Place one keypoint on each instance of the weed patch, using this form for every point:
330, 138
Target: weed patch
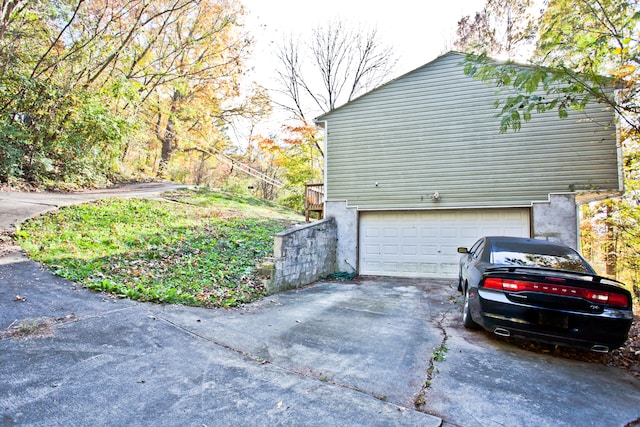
34, 328
201, 251
439, 355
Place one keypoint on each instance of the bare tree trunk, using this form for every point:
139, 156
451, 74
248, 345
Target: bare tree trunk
168, 141
6, 8
168, 136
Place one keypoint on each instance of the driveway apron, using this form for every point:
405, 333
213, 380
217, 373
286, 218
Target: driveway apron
329, 354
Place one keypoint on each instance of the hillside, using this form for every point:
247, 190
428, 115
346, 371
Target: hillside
194, 247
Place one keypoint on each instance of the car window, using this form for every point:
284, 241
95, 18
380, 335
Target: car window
475, 246
478, 251
560, 260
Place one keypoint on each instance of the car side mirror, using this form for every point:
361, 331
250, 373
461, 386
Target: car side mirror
462, 250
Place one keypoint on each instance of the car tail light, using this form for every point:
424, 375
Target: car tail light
601, 297
618, 300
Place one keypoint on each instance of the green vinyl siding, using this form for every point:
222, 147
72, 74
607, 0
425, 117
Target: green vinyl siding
435, 129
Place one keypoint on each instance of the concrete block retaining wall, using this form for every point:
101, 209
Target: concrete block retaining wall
302, 255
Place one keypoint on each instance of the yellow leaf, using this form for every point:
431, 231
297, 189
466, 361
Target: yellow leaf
625, 70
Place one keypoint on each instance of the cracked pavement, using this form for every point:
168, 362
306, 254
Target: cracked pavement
335, 353
330, 354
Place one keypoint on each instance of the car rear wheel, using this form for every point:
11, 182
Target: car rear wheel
467, 321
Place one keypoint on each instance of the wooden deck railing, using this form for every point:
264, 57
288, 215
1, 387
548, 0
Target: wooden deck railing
313, 200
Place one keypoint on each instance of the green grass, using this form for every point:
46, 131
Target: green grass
201, 248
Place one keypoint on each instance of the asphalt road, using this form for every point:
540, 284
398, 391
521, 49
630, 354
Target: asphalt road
16, 206
335, 353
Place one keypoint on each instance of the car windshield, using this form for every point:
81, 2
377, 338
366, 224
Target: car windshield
558, 259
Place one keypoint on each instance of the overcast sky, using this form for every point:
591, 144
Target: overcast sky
420, 30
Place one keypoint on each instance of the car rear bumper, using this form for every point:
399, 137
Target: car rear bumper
593, 331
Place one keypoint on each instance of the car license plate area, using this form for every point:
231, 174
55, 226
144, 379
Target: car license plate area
553, 320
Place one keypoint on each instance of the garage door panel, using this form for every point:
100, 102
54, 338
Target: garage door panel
449, 270
428, 270
424, 243
371, 232
390, 250
427, 232
493, 231
391, 266
468, 232
371, 249
428, 250
410, 250
390, 232
512, 231
449, 232
449, 248
410, 232
410, 267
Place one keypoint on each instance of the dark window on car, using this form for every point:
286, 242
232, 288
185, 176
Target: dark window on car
477, 253
547, 257
475, 246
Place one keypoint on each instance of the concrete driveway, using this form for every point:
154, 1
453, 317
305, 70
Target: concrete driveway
335, 353
331, 354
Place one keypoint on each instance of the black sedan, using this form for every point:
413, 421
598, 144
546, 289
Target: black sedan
542, 291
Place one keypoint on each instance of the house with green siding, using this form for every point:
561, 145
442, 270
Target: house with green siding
418, 167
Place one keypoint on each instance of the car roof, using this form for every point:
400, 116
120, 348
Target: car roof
527, 244
523, 240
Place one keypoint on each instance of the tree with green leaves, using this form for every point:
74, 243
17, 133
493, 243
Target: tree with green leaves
52, 125
84, 82
587, 51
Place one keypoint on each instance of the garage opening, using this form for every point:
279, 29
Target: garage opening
424, 243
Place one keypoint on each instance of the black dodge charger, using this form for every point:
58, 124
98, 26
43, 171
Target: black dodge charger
542, 291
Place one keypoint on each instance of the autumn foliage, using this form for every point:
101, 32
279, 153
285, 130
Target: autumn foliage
298, 157
93, 90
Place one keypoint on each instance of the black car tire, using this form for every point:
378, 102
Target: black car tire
467, 321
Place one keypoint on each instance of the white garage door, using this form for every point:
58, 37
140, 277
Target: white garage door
424, 243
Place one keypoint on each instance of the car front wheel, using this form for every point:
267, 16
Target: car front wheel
467, 321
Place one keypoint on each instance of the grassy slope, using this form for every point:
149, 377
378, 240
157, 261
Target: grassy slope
197, 248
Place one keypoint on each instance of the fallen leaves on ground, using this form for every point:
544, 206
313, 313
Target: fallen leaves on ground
626, 357
34, 328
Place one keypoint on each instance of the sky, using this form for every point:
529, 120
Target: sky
419, 30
